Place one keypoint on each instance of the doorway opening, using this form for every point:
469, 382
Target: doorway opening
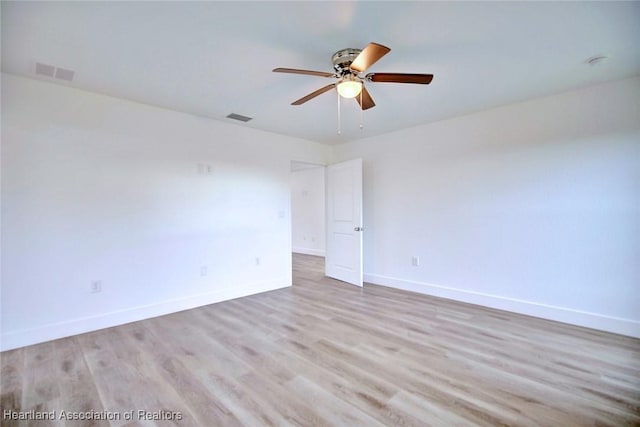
326, 216
308, 209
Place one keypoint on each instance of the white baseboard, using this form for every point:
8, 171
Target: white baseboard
25, 337
308, 251
601, 322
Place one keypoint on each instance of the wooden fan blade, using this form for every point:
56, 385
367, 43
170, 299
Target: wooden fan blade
308, 72
314, 94
367, 101
369, 56
424, 79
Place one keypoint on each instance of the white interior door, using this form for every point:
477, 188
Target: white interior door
343, 259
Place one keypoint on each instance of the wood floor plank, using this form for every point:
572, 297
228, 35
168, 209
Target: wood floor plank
323, 353
78, 392
337, 411
123, 386
203, 407
12, 377
41, 390
12, 373
39, 385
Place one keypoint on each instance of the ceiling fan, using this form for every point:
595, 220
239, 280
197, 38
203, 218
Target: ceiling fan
350, 65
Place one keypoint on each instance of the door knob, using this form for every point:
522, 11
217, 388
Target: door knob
358, 229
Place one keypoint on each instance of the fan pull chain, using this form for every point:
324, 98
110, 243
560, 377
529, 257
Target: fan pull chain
339, 124
361, 111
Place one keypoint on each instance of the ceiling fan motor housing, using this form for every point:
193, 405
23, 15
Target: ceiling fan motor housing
342, 59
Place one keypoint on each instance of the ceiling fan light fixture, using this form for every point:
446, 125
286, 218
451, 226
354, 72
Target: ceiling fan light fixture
349, 88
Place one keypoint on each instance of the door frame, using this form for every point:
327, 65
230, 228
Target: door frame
307, 164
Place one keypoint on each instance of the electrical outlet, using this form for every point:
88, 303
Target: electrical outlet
415, 261
203, 271
96, 286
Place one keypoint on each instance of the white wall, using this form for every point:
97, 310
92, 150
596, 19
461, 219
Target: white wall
308, 211
532, 207
98, 188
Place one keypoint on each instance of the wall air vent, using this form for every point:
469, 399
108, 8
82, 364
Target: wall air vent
235, 116
51, 71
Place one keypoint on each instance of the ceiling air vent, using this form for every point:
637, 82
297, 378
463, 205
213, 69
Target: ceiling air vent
63, 74
242, 118
45, 70
51, 71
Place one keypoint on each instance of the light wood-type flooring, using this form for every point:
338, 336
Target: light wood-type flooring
326, 353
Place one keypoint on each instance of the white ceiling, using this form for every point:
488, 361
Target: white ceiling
215, 58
